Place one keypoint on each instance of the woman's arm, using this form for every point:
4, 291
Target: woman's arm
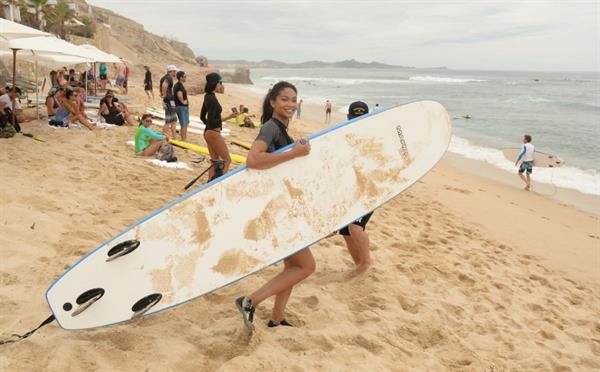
50, 106
259, 158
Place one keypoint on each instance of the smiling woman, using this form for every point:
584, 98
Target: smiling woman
279, 107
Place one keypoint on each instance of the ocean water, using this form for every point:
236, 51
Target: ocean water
561, 110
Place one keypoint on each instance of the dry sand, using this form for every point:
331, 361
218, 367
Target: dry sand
468, 274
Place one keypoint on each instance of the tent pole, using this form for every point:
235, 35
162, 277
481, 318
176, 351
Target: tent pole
14, 88
37, 106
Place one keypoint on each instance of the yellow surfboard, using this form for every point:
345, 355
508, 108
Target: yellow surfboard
243, 144
203, 150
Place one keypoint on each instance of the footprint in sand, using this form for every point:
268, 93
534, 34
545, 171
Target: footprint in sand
456, 189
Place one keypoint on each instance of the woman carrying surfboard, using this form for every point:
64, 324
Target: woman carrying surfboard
211, 116
279, 107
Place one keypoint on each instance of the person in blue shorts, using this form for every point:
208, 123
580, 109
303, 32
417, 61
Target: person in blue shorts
182, 104
526, 158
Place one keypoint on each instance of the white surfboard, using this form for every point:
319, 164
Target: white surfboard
540, 159
194, 124
250, 219
191, 129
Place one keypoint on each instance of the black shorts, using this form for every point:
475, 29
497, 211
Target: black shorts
103, 77
170, 113
362, 222
328, 111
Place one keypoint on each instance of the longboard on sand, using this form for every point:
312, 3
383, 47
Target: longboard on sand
203, 150
161, 123
194, 124
250, 219
540, 159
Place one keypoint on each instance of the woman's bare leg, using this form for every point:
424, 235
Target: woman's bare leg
208, 137
152, 148
297, 268
222, 151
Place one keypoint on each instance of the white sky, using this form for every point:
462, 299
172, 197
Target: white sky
487, 35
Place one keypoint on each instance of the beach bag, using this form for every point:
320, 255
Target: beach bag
7, 131
166, 152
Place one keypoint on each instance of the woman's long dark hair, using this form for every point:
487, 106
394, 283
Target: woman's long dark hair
267, 113
210, 86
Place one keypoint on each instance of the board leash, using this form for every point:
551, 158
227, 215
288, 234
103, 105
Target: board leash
218, 164
16, 337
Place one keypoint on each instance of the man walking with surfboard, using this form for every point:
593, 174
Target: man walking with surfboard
526, 158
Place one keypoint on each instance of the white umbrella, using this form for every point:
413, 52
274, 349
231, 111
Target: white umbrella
48, 46
12, 30
99, 56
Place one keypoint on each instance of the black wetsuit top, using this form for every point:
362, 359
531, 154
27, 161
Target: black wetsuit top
211, 112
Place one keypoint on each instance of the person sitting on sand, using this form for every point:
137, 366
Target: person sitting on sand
244, 119
148, 141
52, 104
8, 97
526, 158
114, 112
279, 107
7, 130
68, 112
355, 236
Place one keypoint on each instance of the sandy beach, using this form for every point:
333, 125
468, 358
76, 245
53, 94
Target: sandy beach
469, 273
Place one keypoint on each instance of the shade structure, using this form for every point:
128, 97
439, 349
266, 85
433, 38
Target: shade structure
12, 30
100, 56
41, 47
47, 58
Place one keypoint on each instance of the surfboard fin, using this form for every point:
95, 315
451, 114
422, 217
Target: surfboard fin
143, 305
122, 249
87, 299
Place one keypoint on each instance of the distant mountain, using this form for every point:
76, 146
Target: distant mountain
350, 63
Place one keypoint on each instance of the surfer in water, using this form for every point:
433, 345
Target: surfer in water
355, 236
526, 159
279, 107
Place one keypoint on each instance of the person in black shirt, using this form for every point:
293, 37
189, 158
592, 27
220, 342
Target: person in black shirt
166, 93
355, 235
181, 104
148, 83
279, 107
211, 117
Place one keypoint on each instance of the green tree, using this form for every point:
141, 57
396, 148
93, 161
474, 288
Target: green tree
39, 6
57, 16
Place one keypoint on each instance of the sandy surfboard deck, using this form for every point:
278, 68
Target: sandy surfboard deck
250, 219
540, 159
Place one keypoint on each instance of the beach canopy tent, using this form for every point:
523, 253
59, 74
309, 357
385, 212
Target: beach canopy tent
12, 30
98, 55
37, 45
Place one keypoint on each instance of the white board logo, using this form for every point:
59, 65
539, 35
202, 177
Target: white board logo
404, 149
